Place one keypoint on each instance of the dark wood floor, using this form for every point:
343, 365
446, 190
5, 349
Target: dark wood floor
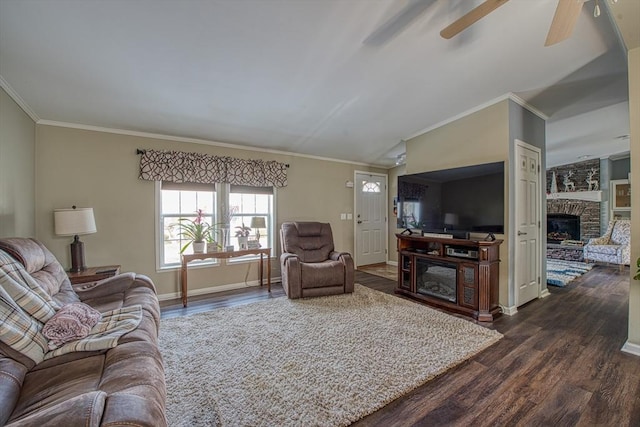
559, 363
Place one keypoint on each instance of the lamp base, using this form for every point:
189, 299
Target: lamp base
77, 255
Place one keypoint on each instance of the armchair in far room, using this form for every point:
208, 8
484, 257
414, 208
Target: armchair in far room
310, 265
613, 247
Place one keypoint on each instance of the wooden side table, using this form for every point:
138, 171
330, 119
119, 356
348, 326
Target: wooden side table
93, 274
263, 252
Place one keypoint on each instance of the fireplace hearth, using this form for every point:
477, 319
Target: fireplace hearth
562, 227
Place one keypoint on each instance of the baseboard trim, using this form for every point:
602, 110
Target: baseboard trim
394, 263
509, 311
545, 293
631, 348
216, 289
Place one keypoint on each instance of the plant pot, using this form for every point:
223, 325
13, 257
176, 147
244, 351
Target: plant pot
198, 247
242, 242
212, 247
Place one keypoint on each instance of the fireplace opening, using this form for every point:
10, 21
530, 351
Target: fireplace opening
436, 278
562, 227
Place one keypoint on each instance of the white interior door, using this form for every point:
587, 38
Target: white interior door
370, 218
527, 214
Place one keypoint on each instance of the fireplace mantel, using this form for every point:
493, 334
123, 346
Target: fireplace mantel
589, 196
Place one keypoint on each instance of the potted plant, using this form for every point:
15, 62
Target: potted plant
196, 231
637, 276
242, 233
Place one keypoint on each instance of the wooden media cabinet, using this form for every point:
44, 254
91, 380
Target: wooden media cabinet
457, 275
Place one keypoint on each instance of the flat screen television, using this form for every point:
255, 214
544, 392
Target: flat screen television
456, 201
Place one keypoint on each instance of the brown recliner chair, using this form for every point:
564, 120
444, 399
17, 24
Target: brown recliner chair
310, 266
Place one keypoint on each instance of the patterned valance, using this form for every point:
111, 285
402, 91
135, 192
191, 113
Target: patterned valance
179, 166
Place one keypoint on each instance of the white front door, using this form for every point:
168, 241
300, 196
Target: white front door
370, 218
527, 213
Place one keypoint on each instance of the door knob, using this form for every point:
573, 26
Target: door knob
520, 233
359, 222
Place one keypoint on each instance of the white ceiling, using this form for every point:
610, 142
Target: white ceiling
317, 77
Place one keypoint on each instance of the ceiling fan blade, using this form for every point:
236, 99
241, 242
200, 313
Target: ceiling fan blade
564, 21
471, 18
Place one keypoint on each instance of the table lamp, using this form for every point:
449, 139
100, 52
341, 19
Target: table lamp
450, 219
257, 223
74, 222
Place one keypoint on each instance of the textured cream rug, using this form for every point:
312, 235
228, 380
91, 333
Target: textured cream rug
325, 361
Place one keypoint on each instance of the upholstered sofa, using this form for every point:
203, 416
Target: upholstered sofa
117, 386
613, 247
309, 264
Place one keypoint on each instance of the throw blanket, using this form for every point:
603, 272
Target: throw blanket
25, 307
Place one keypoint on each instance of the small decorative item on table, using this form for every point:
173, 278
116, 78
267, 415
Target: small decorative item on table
242, 233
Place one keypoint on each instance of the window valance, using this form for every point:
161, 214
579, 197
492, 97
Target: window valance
180, 166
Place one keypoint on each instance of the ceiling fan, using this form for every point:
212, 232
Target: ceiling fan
564, 19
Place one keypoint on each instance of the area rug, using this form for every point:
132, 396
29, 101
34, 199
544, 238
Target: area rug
560, 273
325, 361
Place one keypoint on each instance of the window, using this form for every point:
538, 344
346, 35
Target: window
371, 186
251, 206
181, 201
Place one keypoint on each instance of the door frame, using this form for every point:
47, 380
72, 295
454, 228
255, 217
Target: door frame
355, 210
513, 229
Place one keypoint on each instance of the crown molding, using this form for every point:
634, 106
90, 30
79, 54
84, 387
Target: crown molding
524, 104
512, 96
18, 99
194, 141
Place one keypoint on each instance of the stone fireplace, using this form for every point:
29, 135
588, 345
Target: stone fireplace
573, 214
588, 213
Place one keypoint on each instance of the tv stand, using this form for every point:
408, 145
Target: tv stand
457, 275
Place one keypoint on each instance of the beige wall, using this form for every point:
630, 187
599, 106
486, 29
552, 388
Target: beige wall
393, 192
481, 137
17, 170
634, 122
100, 170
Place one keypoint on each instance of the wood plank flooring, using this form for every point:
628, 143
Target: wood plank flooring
558, 364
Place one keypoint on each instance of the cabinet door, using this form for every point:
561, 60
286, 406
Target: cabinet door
620, 195
404, 281
468, 285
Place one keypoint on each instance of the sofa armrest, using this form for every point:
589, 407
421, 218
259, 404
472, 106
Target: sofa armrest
349, 268
287, 256
290, 272
11, 378
598, 241
83, 410
336, 256
112, 285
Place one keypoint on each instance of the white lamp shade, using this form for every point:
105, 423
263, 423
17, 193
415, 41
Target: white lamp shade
71, 222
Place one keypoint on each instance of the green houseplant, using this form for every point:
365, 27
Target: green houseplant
196, 231
637, 276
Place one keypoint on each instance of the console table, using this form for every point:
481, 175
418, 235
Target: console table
457, 275
223, 255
